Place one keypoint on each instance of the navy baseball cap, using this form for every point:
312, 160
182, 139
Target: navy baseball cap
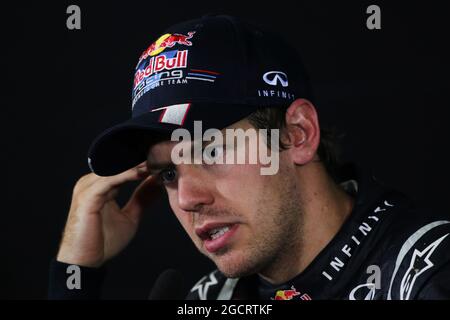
217, 69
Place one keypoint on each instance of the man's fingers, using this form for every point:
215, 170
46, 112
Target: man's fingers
132, 174
102, 185
112, 194
142, 196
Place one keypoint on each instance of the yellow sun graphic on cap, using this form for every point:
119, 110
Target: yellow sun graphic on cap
157, 45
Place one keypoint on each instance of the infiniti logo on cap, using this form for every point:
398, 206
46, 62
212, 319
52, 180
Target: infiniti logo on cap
273, 77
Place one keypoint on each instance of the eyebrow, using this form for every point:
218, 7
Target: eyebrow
155, 167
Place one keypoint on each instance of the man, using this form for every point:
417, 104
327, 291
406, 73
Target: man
304, 231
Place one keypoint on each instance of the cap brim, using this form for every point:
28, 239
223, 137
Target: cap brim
124, 146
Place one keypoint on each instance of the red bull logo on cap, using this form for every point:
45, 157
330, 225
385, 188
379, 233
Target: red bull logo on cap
166, 61
167, 40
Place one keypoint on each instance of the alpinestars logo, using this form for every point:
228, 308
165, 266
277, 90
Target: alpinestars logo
202, 287
420, 262
365, 290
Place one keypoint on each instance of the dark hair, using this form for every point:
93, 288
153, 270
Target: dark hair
275, 118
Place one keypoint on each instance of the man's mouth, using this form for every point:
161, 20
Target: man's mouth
216, 235
218, 232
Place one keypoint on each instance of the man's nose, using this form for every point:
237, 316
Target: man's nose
194, 191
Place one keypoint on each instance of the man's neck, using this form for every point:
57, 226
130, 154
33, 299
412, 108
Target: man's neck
326, 206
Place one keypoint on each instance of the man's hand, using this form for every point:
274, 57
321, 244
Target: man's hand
97, 229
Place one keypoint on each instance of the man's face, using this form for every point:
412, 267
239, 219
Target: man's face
244, 221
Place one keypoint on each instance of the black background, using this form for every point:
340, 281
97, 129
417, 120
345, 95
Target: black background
386, 89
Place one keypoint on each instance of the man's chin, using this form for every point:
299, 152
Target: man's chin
234, 264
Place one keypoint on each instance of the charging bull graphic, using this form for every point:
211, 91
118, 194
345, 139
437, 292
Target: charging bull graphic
286, 294
167, 40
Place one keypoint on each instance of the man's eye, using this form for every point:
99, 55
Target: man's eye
168, 175
213, 152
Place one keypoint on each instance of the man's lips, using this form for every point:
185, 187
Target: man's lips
216, 235
204, 231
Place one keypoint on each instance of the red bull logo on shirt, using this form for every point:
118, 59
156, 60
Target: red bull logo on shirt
290, 294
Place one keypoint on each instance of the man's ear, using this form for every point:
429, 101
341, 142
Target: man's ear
302, 131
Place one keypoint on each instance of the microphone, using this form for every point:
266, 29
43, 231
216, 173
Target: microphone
168, 286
